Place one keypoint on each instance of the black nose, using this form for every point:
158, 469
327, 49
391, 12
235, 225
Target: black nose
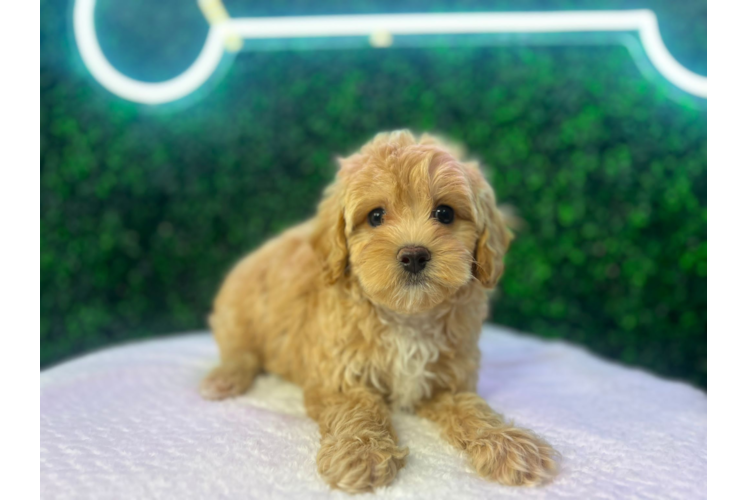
413, 259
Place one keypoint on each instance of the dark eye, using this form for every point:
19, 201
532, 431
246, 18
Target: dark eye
376, 217
444, 214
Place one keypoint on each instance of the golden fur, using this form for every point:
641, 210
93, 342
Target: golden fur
327, 306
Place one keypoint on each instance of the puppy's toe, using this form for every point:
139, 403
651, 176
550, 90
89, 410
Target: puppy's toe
357, 465
514, 457
226, 381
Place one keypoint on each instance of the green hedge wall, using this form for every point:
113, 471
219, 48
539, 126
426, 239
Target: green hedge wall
143, 211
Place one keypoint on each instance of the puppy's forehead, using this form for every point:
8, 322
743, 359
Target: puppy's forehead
411, 174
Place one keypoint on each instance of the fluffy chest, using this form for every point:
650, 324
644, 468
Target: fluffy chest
412, 346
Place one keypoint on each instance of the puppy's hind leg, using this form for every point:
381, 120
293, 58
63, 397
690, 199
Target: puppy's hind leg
240, 362
232, 377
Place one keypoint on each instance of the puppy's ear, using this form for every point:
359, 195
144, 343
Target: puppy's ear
328, 237
494, 237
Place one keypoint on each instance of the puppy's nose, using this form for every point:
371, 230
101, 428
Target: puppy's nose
413, 259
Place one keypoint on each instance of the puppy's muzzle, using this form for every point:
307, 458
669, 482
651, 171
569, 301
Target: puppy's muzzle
413, 259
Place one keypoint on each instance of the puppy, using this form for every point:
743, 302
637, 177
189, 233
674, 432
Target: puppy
376, 304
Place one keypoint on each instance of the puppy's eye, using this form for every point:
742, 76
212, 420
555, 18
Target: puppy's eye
376, 217
444, 214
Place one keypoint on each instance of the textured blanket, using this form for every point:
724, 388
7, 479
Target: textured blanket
128, 423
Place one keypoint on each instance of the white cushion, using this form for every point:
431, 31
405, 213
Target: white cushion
128, 423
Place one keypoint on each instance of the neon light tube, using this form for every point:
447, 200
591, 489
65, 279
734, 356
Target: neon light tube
226, 33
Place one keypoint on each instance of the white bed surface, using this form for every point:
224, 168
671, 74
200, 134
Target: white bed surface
128, 423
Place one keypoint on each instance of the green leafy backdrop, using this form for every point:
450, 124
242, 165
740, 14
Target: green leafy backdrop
143, 211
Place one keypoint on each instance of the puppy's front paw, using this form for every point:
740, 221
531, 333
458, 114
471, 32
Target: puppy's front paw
356, 465
512, 456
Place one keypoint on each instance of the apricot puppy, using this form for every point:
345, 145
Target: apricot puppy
376, 304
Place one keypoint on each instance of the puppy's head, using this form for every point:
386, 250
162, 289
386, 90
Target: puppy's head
411, 222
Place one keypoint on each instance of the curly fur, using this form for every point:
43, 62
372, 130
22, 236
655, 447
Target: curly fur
327, 306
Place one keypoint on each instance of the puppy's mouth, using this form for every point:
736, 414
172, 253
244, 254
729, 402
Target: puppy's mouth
415, 280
